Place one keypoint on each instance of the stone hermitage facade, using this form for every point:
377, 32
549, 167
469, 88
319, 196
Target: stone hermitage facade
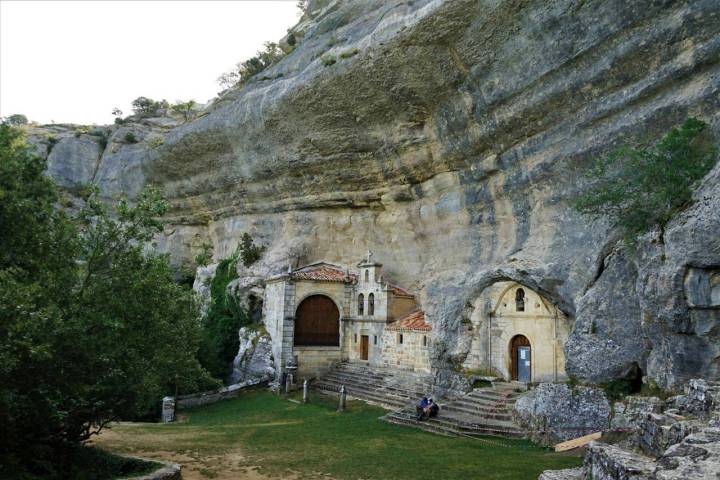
321, 314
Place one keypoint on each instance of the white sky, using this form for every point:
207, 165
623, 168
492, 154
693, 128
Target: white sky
73, 61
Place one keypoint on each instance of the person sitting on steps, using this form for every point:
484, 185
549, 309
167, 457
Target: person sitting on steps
420, 409
433, 409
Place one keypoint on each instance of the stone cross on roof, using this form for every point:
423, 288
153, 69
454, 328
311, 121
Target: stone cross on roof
369, 256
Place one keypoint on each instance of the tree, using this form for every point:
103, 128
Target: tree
147, 107
16, 119
270, 54
185, 109
93, 327
639, 188
249, 252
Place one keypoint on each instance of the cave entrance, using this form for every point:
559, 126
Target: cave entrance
521, 355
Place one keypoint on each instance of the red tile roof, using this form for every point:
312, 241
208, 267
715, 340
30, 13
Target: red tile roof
401, 292
324, 273
412, 321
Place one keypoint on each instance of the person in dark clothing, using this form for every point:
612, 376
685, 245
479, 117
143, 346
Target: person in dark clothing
420, 408
433, 409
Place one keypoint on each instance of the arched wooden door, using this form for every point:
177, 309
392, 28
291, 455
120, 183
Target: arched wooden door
317, 322
521, 359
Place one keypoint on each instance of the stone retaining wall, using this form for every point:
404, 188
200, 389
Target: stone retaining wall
212, 396
168, 471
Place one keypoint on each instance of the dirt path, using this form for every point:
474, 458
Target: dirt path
231, 465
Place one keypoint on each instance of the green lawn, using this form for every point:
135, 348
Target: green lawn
280, 436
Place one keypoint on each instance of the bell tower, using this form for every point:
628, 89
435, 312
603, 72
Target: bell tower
370, 272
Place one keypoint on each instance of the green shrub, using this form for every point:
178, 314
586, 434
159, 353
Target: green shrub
16, 120
349, 53
244, 71
639, 188
186, 109
618, 389
249, 252
205, 255
328, 60
155, 142
147, 107
81, 131
130, 138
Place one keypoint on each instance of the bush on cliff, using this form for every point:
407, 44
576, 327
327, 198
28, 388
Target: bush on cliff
226, 315
639, 188
270, 54
93, 327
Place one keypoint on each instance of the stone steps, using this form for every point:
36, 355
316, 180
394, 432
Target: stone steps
501, 415
376, 385
346, 379
386, 399
453, 426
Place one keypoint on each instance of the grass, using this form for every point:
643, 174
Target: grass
311, 440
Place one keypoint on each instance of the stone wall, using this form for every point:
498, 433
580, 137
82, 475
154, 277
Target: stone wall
413, 353
212, 396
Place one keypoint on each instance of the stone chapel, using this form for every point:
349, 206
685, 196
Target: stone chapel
322, 313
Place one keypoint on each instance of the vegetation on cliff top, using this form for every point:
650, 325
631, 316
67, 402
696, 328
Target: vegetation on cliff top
93, 327
639, 188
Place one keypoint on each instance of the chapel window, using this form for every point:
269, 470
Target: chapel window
371, 304
367, 276
361, 304
520, 300
400, 339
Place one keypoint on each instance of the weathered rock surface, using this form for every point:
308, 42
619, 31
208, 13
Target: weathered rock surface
467, 125
566, 474
608, 462
555, 412
254, 360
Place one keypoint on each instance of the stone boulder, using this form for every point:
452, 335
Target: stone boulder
555, 412
254, 360
566, 474
702, 397
696, 457
658, 432
609, 462
632, 411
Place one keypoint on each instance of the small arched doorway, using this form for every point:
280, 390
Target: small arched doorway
520, 359
317, 322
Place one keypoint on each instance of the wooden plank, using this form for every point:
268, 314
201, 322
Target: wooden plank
577, 442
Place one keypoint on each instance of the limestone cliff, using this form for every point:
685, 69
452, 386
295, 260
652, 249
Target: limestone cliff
448, 137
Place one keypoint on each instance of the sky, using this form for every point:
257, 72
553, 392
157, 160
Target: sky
74, 61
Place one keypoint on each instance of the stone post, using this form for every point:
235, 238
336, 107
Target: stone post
305, 391
341, 405
288, 382
168, 409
